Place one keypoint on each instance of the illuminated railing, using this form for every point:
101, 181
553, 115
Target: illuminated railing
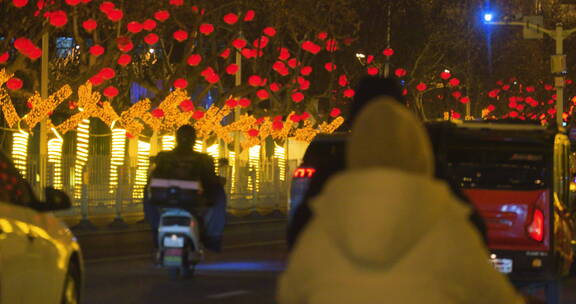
168, 142
214, 151
118, 156
55, 159
142, 169
199, 146
280, 155
254, 163
232, 161
82, 144
20, 151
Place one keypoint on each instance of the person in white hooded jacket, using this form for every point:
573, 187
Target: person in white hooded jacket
386, 231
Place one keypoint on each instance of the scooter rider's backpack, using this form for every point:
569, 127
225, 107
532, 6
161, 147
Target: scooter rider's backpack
176, 181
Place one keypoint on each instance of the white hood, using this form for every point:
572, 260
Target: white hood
375, 216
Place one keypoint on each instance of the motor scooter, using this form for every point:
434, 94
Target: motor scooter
179, 245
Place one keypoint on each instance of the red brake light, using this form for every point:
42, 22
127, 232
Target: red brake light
536, 227
304, 172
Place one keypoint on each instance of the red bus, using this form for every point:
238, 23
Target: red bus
518, 177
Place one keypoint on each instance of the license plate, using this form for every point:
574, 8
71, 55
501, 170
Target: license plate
502, 265
174, 242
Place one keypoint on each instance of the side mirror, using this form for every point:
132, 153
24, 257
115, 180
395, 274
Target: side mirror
56, 200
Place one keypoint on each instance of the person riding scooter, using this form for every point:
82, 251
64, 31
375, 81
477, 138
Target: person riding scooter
183, 164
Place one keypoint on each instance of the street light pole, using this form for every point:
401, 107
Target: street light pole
558, 65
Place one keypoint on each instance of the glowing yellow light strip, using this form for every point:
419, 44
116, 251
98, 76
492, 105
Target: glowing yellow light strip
280, 155
214, 151
142, 170
55, 159
199, 146
82, 144
232, 161
20, 151
168, 142
118, 155
254, 163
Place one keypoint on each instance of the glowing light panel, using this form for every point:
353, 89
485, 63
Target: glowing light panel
117, 157
82, 144
55, 160
142, 169
20, 151
168, 142
280, 155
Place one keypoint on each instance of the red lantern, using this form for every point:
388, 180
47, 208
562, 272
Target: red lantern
72, 2
225, 54
180, 35
349, 93
107, 73
239, 43
194, 60
456, 115
255, 80
134, 27
454, 82
187, 105
269, 31
261, 43
421, 87
115, 15
198, 115
151, 39
297, 97
330, 66
253, 132
530, 89
493, 94
343, 80
124, 44
295, 118
14, 83
206, 29
388, 52
244, 102
293, 63
106, 7
400, 72
58, 18
232, 69
111, 92
274, 87
445, 75
311, 47
513, 114
277, 125
506, 87
230, 18
372, 71
96, 80
96, 50
305, 115
304, 84
456, 94
465, 100
262, 94
4, 57
89, 25
20, 3
322, 35
331, 45
284, 54
491, 108
180, 83
158, 113
249, 16
124, 59
306, 70
335, 112
177, 2
162, 15
548, 87
149, 25
231, 103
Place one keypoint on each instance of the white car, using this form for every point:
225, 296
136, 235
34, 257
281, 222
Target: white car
40, 260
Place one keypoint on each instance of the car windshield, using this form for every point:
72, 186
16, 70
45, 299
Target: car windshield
498, 169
